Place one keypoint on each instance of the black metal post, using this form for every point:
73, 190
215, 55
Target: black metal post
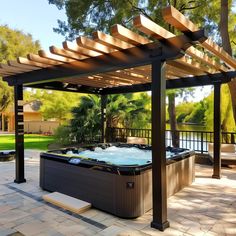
19, 134
217, 132
158, 146
103, 116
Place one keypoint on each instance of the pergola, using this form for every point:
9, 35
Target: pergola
126, 61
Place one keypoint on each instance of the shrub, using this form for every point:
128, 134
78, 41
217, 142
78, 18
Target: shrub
63, 135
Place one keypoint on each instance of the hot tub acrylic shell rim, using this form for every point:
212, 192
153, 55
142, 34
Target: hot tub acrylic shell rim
124, 195
123, 169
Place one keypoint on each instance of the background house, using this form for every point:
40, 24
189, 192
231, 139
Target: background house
33, 120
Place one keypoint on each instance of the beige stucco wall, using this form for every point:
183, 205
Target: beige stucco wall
32, 116
40, 126
28, 116
33, 121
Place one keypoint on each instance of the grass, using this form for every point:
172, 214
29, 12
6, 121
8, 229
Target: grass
32, 141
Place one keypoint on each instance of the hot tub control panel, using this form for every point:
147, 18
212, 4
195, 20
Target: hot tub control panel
74, 161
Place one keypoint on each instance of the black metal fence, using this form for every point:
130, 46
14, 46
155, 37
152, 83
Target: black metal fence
194, 140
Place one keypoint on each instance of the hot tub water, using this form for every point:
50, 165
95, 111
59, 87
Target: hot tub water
119, 156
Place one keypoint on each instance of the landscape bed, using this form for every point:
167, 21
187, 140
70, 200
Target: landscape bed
121, 186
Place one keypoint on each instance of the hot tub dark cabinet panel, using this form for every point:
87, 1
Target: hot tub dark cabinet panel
124, 192
120, 195
180, 174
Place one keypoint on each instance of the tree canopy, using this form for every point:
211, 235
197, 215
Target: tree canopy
55, 104
85, 17
13, 43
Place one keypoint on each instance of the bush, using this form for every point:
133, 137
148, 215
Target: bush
63, 135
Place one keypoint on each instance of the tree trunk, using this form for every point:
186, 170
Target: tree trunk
225, 137
224, 32
173, 124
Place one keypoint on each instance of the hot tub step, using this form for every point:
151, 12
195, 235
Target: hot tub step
69, 203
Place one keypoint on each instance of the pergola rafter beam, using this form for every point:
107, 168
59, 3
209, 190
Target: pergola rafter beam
26, 61
93, 45
66, 53
127, 58
111, 41
74, 47
128, 36
186, 82
21, 66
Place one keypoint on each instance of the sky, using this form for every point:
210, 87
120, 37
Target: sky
36, 17
39, 18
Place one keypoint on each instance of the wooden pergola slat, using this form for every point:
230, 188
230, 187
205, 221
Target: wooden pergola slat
192, 51
154, 30
26, 61
74, 47
17, 64
179, 21
13, 68
93, 45
66, 53
85, 81
181, 65
55, 57
122, 74
6, 73
46, 61
118, 79
111, 41
108, 80
194, 65
99, 81
127, 35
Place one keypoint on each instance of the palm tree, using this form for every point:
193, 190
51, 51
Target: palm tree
122, 110
86, 118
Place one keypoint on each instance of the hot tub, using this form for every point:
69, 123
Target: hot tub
7, 155
116, 178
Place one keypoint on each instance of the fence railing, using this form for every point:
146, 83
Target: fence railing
194, 140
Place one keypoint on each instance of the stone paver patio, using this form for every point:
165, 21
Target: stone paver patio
208, 207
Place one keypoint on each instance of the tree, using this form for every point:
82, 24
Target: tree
226, 110
128, 110
121, 110
85, 17
56, 104
86, 118
225, 37
13, 43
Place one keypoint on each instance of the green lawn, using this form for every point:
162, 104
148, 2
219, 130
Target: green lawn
32, 141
